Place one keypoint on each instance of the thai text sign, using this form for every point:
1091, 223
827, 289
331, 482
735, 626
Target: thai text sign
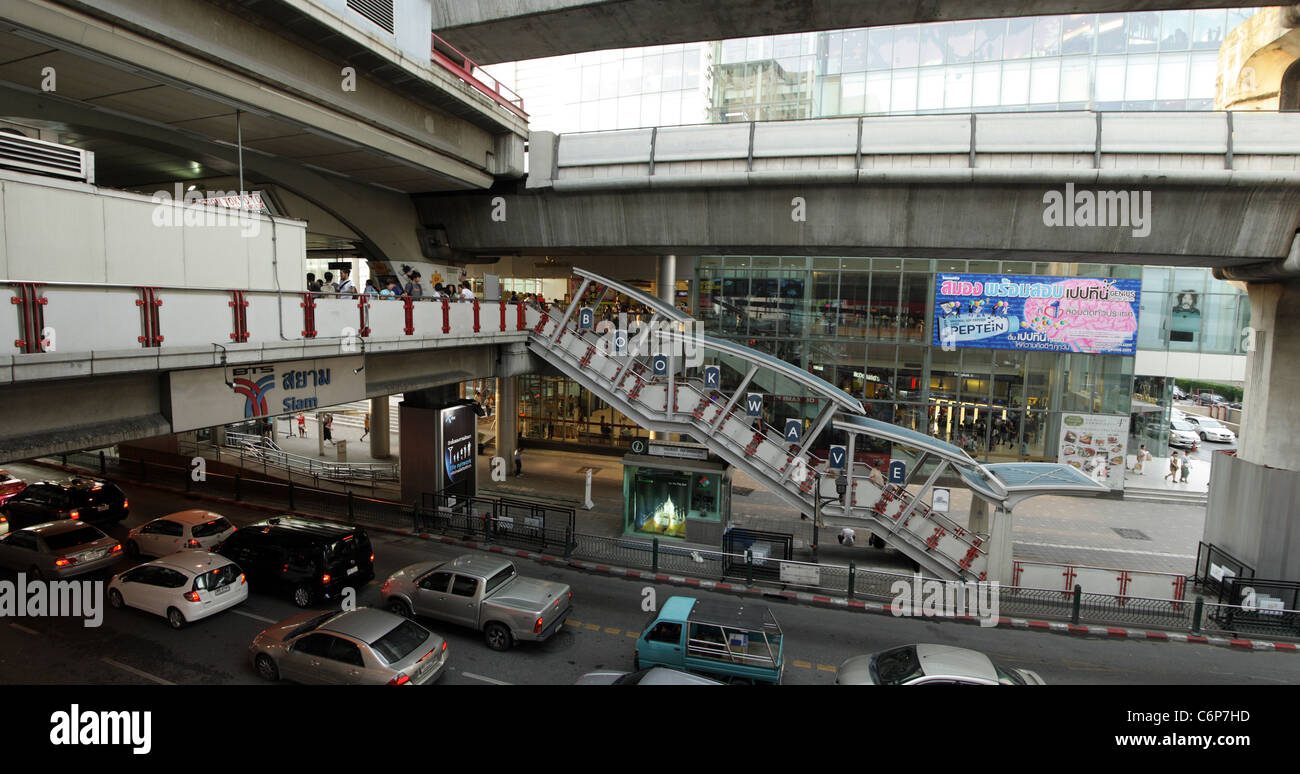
1053, 314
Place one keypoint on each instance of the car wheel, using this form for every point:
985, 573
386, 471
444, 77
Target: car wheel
132, 549
174, 618
398, 606
1202, 437
115, 599
34, 573
266, 668
497, 636
302, 596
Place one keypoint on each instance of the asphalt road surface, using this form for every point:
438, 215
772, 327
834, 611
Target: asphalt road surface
132, 647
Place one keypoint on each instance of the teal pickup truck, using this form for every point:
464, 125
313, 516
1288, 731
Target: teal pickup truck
740, 643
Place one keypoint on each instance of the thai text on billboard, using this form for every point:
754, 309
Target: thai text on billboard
1051, 314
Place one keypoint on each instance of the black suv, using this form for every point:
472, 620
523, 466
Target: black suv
94, 502
309, 560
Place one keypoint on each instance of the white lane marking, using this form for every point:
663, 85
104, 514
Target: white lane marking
137, 672
255, 617
22, 628
1111, 550
473, 676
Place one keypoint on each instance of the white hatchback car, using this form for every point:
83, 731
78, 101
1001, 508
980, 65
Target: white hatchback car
184, 530
183, 587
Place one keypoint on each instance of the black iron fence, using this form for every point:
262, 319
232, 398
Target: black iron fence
1213, 565
1273, 609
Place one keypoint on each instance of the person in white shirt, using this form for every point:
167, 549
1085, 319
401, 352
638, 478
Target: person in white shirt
345, 283
846, 537
465, 293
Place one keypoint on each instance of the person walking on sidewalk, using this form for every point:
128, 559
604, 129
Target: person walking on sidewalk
1173, 467
1186, 469
367, 432
302, 425
519, 462
329, 429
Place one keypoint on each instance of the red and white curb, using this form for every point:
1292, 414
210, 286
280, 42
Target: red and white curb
821, 600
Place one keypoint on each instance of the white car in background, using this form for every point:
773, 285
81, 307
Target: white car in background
1211, 429
931, 665
184, 587
1183, 434
185, 530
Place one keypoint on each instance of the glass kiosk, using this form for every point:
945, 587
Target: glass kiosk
674, 490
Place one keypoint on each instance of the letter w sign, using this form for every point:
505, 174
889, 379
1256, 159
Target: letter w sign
754, 404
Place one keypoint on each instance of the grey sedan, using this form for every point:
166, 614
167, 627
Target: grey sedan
931, 665
651, 676
59, 549
365, 646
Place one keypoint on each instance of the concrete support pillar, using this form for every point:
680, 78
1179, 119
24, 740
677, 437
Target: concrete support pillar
507, 420
1251, 510
1270, 412
418, 439
667, 287
995, 522
380, 444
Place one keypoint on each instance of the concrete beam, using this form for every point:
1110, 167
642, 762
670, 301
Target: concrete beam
1189, 224
491, 31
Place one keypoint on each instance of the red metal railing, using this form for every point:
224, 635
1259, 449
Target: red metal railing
446, 55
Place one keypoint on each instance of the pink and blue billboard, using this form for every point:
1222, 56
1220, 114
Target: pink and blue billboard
1047, 314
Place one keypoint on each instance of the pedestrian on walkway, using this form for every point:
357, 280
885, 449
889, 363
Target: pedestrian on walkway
1186, 469
519, 462
367, 432
1173, 467
329, 429
1142, 456
328, 286
846, 537
302, 425
345, 283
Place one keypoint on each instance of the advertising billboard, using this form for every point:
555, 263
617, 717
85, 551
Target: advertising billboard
1096, 444
207, 397
457, 436
1047, 314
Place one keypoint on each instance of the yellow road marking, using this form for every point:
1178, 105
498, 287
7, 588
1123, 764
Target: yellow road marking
803, 664
593, 627
609, 630
825, 668
633, 635
574, 624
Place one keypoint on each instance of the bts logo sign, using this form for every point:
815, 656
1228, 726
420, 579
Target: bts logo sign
897, 472
713, 377
837, 458
586, 318
754, 404
793, 429
660, 365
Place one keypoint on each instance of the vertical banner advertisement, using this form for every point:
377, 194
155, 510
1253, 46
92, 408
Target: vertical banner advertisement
457, 436
1095, 444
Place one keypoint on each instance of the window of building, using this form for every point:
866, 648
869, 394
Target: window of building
933, 37
1175, 30
907, 46
1047, 36
1077, 34
880, 48
1019, 40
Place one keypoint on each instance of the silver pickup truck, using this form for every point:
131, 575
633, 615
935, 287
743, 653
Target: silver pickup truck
483, 592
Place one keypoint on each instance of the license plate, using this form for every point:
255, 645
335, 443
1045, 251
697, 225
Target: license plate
218, 591
353, 570
102, 507
93, 555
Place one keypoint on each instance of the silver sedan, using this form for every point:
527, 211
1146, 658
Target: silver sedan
365, 646
59, 549
931, 665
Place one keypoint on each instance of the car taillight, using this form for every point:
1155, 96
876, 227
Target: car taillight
191, 543
537, 627
64, 562
115, 548
372, 558
399, 680
444, 646
241, 578
74, 514
125, 502
325, 578
192, 596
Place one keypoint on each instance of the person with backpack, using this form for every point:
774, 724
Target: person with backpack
413, 288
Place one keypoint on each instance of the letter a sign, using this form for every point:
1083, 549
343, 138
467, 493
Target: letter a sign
754, 404
793, 429
837, 457
712, 377
586, 318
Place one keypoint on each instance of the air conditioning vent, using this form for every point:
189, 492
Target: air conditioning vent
45, 158
378, 11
